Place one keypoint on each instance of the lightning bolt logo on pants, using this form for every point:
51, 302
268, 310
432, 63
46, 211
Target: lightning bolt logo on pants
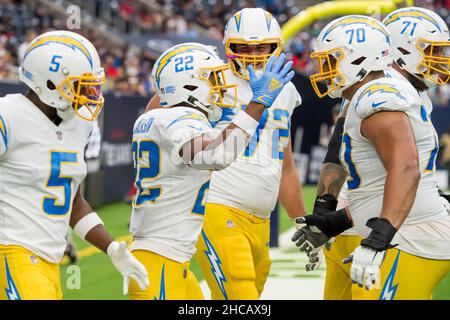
215, 265
388, 292
11, 291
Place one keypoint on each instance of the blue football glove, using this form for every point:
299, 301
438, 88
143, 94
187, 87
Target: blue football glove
269, 85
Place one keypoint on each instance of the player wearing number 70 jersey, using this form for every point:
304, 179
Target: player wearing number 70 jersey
42, 140
175, 150
389, 147
407, 26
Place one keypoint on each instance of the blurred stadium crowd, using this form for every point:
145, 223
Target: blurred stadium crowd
128, 67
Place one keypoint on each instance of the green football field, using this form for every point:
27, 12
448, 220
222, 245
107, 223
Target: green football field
99, 279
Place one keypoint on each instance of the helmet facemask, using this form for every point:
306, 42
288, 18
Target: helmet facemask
434, 65
328, 64
85, 93
240, 61
216, 80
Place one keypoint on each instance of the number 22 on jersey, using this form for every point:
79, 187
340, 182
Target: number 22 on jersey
147, 166
146, 157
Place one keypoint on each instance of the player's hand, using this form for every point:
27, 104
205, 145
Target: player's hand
366, 263
315, 260
269, 85
330, 223
368, 257
308, 238
127, 265
324, 204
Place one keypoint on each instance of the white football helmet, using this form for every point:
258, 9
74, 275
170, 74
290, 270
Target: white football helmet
251, 26
420, 43
63, 68
192, 74
347, 50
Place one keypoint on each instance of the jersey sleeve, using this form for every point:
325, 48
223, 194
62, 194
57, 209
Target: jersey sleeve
5, 133
295, 98
182, 127
382, 97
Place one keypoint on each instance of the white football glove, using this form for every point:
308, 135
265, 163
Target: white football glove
366, 263
127, 265
315, 259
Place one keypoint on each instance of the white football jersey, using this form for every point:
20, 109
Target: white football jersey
367, 174
41, 168
252, 182
168, 211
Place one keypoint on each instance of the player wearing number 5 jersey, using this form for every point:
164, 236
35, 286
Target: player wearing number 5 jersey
175, 150
233, 249
43, 137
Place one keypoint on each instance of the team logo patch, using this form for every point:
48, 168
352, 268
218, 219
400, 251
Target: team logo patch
274, 85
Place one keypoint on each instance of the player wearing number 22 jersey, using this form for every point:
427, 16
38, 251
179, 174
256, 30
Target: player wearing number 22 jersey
175, 150
43, 137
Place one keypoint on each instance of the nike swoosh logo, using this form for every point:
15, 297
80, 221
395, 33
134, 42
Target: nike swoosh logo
375, 105
196, 128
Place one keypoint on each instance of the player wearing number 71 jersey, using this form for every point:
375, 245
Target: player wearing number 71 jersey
42, 140
175, 150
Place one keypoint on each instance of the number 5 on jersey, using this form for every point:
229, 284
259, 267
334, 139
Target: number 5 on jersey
51, 205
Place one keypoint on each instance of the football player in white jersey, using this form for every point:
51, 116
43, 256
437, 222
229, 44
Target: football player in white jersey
175, 149
43, 136
233, 249
333, 175
389, 148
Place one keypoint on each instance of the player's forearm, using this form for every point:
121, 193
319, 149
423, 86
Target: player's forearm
332, 178
401, 185
80, 209
291, 195
99, 238
254, 110
333, 174
87, 225
205, 153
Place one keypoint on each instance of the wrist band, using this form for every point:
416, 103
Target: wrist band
86, 224
244, 121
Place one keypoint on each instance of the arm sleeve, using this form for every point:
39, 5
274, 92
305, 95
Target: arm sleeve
334, 145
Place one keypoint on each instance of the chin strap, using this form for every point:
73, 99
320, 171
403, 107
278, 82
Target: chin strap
214, 112
66, 114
